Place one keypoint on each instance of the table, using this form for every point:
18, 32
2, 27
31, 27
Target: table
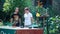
18, 30
30, 31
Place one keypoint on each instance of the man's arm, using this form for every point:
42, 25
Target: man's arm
32, 18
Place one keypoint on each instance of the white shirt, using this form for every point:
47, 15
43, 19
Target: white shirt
27, 18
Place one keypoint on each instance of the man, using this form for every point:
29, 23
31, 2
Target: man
16, 18
28, 17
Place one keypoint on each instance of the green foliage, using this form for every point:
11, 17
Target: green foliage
6, 6
10, 5
54, 24
41, 10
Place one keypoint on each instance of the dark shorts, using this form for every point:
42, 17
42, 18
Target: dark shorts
17, 24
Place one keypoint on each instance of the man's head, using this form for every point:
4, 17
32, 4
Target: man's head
26, 10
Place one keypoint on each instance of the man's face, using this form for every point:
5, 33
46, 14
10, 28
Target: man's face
26, 11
